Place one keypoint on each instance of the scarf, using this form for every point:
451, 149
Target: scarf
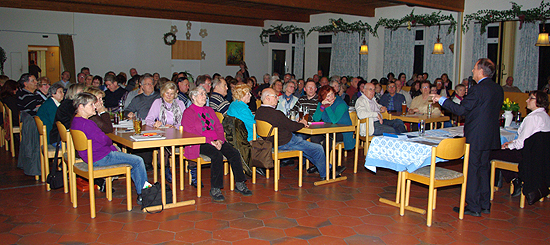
175, 109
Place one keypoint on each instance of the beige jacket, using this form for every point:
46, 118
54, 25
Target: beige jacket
362, 107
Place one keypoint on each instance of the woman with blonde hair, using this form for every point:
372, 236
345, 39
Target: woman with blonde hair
166, 110
101, 117
239, 108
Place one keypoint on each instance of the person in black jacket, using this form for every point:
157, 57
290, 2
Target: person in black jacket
65, 111
481, 109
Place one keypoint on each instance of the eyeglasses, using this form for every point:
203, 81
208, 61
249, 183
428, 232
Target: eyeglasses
531, 98
44, 84
425, 87
391, 86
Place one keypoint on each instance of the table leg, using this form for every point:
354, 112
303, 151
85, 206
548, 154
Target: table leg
162, 176
327, 158
334, 155
173, 166
322, 182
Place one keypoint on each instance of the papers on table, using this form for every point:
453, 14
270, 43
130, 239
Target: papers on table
124, 124
145, 138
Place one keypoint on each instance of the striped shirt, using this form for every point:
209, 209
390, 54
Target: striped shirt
28, 102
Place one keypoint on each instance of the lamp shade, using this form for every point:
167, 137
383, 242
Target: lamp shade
365, 49
438, 48
543, 40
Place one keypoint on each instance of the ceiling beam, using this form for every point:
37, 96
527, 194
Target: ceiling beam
198, 7
451, 5
332, 6
127, 11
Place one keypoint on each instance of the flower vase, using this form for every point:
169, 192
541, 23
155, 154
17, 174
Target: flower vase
508, 117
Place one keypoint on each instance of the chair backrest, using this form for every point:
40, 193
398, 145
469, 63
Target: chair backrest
220, 116
353, 117
40, 125
386, 115
263, 127
8, 119
452, 148
82, 143
63, 133
258, 104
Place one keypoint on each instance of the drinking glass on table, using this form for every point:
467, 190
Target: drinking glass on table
403, 108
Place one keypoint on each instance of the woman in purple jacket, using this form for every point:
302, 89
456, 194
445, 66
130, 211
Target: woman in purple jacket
104, 152
202, 120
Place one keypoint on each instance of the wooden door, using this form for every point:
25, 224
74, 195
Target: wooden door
52, 64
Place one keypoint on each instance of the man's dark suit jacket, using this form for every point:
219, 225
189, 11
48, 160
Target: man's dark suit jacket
481, 108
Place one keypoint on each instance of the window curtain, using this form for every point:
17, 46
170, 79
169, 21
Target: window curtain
298, 61
399, 51
526, 68
480, 44
66, 48
437, 64
344, 57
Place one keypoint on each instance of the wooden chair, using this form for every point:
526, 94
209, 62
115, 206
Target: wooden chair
340, 145
3, 140
47, 151
258, 103
81, 143
436, 177
363, 141
10, 129
64, 134
511, 166
261, 128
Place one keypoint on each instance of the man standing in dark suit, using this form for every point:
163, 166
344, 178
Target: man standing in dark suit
481, 108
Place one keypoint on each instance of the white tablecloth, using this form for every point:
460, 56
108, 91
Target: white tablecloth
414, 152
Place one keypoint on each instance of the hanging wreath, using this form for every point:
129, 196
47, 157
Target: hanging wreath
280, 30
412, 19
169, 38
488, 16
340, 25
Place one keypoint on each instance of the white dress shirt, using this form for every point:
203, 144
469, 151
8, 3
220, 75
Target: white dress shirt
537, 121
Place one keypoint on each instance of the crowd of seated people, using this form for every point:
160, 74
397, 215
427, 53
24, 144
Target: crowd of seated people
160, 101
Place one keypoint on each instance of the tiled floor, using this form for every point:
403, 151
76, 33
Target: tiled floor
344, 212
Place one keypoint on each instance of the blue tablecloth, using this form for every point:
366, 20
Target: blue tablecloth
415, 152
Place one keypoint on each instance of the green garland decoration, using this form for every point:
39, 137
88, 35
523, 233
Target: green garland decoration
488, 16
3, 59
169, 42
340, 25
280, 30
412, 19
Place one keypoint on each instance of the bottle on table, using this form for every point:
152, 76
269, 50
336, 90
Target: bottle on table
421, 128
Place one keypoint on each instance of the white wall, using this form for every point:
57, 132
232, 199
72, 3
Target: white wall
106, 42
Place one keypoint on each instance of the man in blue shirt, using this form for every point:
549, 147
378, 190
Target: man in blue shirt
392, 100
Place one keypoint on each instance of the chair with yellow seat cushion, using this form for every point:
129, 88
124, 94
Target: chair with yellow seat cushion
435, 177
81, 143
261, 129
64, 135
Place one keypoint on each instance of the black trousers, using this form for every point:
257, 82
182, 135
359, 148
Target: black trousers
216, 167
478, 191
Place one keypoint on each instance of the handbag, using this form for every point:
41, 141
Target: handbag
55, 177
261, 152
152, 196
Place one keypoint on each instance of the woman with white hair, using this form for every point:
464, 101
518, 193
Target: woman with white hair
287, 100
202, 120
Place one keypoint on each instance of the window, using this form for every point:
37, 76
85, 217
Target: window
325, 49
418, 66
493, 47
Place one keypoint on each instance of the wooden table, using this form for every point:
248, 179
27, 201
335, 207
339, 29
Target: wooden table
174, 137
415, 118
328, 128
